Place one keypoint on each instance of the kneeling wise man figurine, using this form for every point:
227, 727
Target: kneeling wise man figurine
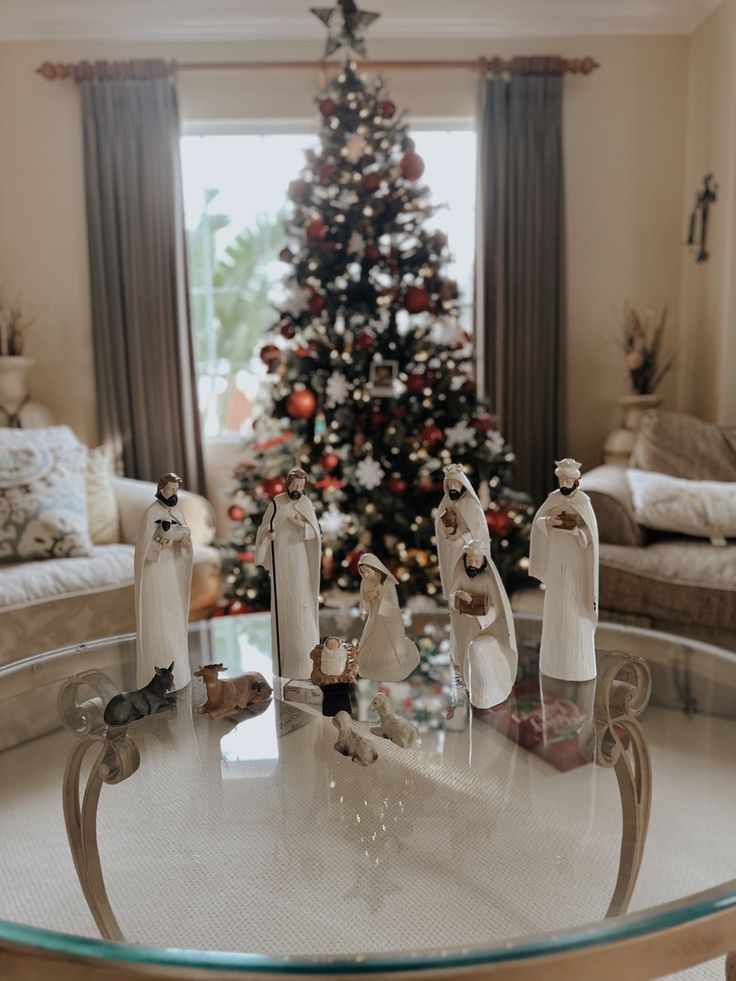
289, 545
482, 639
564, 556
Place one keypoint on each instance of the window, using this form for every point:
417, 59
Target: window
235, 203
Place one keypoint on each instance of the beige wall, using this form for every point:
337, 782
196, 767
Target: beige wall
708, 303
624, 145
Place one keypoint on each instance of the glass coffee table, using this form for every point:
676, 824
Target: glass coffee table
577, 831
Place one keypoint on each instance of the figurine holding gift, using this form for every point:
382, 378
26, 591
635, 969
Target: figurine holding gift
564, 556
482, 642
289, 545
163, 582
460, 520
385, 653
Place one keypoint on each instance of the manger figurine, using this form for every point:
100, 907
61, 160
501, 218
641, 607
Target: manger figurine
163, 584
230, 695
289, 546
334, 670
482, 637
385, 653
130, 706
460, 520
564, 556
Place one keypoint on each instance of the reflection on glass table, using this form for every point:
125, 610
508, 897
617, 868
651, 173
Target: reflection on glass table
504, 830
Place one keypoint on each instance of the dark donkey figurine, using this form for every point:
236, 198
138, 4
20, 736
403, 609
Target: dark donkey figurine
129, 706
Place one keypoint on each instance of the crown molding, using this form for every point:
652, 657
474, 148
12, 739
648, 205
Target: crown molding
287, 20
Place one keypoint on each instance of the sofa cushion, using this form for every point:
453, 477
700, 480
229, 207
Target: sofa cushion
701, 508
679, 581
102, 504
683, 446
610, 495
43, 506
27, 583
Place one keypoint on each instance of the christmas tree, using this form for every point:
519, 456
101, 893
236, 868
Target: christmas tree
373, 389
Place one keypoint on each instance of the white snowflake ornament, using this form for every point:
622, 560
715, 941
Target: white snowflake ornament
333, 523
495, 441
354, 148
369, 473
337, 389
297, 301
461, 434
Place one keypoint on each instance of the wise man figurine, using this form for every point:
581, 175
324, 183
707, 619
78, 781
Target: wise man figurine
163, 584
564, 556
482, 636
460, 520
289, 545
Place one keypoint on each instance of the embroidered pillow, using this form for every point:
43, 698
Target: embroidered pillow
702, 508
43, 507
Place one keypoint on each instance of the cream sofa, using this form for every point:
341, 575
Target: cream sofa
59, 602
655, 579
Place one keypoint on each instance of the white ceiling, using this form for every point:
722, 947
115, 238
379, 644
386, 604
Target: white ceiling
290, 19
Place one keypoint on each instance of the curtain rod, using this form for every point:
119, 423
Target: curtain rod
139, 69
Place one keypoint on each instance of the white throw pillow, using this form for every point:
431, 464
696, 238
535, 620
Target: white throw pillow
703, 508
43, 506
102, 504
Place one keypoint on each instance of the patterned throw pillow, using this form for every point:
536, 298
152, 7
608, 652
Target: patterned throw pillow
701, 508
43, 509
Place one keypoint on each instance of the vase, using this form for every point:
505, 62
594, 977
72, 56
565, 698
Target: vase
619, 444
16, 408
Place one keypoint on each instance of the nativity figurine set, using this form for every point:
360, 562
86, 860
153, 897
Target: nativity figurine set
563, 556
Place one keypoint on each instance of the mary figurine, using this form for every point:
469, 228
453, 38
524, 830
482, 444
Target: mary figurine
385, 653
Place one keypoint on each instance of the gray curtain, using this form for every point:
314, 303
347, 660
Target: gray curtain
521, 270
143, 348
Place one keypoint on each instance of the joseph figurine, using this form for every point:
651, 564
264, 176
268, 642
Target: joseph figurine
288, 544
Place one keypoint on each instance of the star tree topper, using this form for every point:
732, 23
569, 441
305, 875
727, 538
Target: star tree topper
348, 30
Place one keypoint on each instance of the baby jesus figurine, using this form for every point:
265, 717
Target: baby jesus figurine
334, 669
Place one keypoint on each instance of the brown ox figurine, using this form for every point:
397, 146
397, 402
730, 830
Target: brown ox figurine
227, 697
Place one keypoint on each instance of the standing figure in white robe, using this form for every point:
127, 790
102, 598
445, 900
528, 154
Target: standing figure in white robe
289, 545
460, 520
564, 556
163, 585
385, 653
482, 639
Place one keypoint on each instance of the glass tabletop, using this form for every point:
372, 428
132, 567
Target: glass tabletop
571, 815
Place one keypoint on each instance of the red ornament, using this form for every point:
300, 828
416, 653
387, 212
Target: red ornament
287, 329
301, 404
415, 383
431, 435
327, 107
449, 290
499, 523
371, 181
412, 166
235, 512
326, 170
386, 109
439, 240
364, 342
354, 558
272, 486
329, 461
270, 356
398, 486
317, 303
248, 557
468, 387
286, 255
482, 423
416, 299
316, 230
372, 252
398, 411
378, 419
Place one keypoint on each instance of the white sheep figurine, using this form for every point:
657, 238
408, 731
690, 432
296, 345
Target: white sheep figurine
393, 727
351, 743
